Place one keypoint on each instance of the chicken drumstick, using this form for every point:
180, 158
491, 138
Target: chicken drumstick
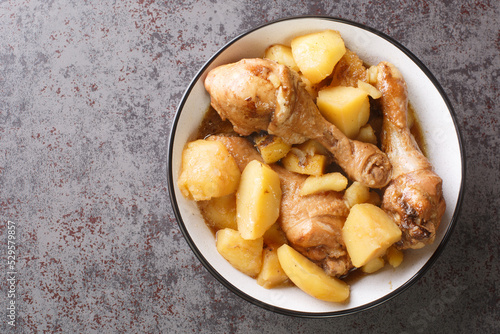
260, 94
414, 196
312, 224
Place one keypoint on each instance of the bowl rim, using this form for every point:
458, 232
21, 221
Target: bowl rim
252, 300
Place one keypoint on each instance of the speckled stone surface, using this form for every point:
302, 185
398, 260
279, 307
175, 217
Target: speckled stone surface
88, 91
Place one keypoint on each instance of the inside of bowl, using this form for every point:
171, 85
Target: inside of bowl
440, 134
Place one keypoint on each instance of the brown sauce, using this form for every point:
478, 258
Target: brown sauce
354, 276
376, 120
212, 124
416, 130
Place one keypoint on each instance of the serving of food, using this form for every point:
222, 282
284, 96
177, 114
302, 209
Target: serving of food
309, 178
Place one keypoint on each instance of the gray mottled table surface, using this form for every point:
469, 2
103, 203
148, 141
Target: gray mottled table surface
88, 91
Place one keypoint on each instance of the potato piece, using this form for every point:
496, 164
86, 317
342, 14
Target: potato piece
298, 162
244, 255
274, 236
356, 193
372, 73
313, 147
208, 170
258, 200
281, 54
220, 212
271, 148
373, 265
316, 54
368, 232
310, 278
326, 182
373, 92
348, 108
271, 275
394, 256
366, 134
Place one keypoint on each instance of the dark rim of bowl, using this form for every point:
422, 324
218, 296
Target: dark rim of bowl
227, 284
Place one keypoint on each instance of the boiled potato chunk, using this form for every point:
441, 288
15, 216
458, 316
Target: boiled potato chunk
366, 134
208, 170
372, 73
271, 274
316, 54
271, 148
326, 182
373, 265
348, 108
281, 54
274, 236
258, 200
310, 278
313, 147
220, 212
299, 162
368, 232
356, 193
394, 256
244, 255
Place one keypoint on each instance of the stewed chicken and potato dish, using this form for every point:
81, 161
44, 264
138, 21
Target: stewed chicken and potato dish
306, 167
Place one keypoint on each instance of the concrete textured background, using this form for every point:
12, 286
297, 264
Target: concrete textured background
88, 91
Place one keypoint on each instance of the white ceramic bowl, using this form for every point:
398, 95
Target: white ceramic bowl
444, 150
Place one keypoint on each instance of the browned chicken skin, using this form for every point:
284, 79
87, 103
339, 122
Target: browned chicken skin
312, 224
414, 196
259, 94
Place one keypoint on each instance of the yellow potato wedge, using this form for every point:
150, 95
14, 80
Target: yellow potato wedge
281, 54
348, 108
316, 54
219, 212
373, 265
244, 255
304, 164
258, 200
310, 278
394, 256
366, 134
208, 170
326, 182
357, 193
313, 147
368, 232
271, 275
372, 73
274, 236
271, 148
